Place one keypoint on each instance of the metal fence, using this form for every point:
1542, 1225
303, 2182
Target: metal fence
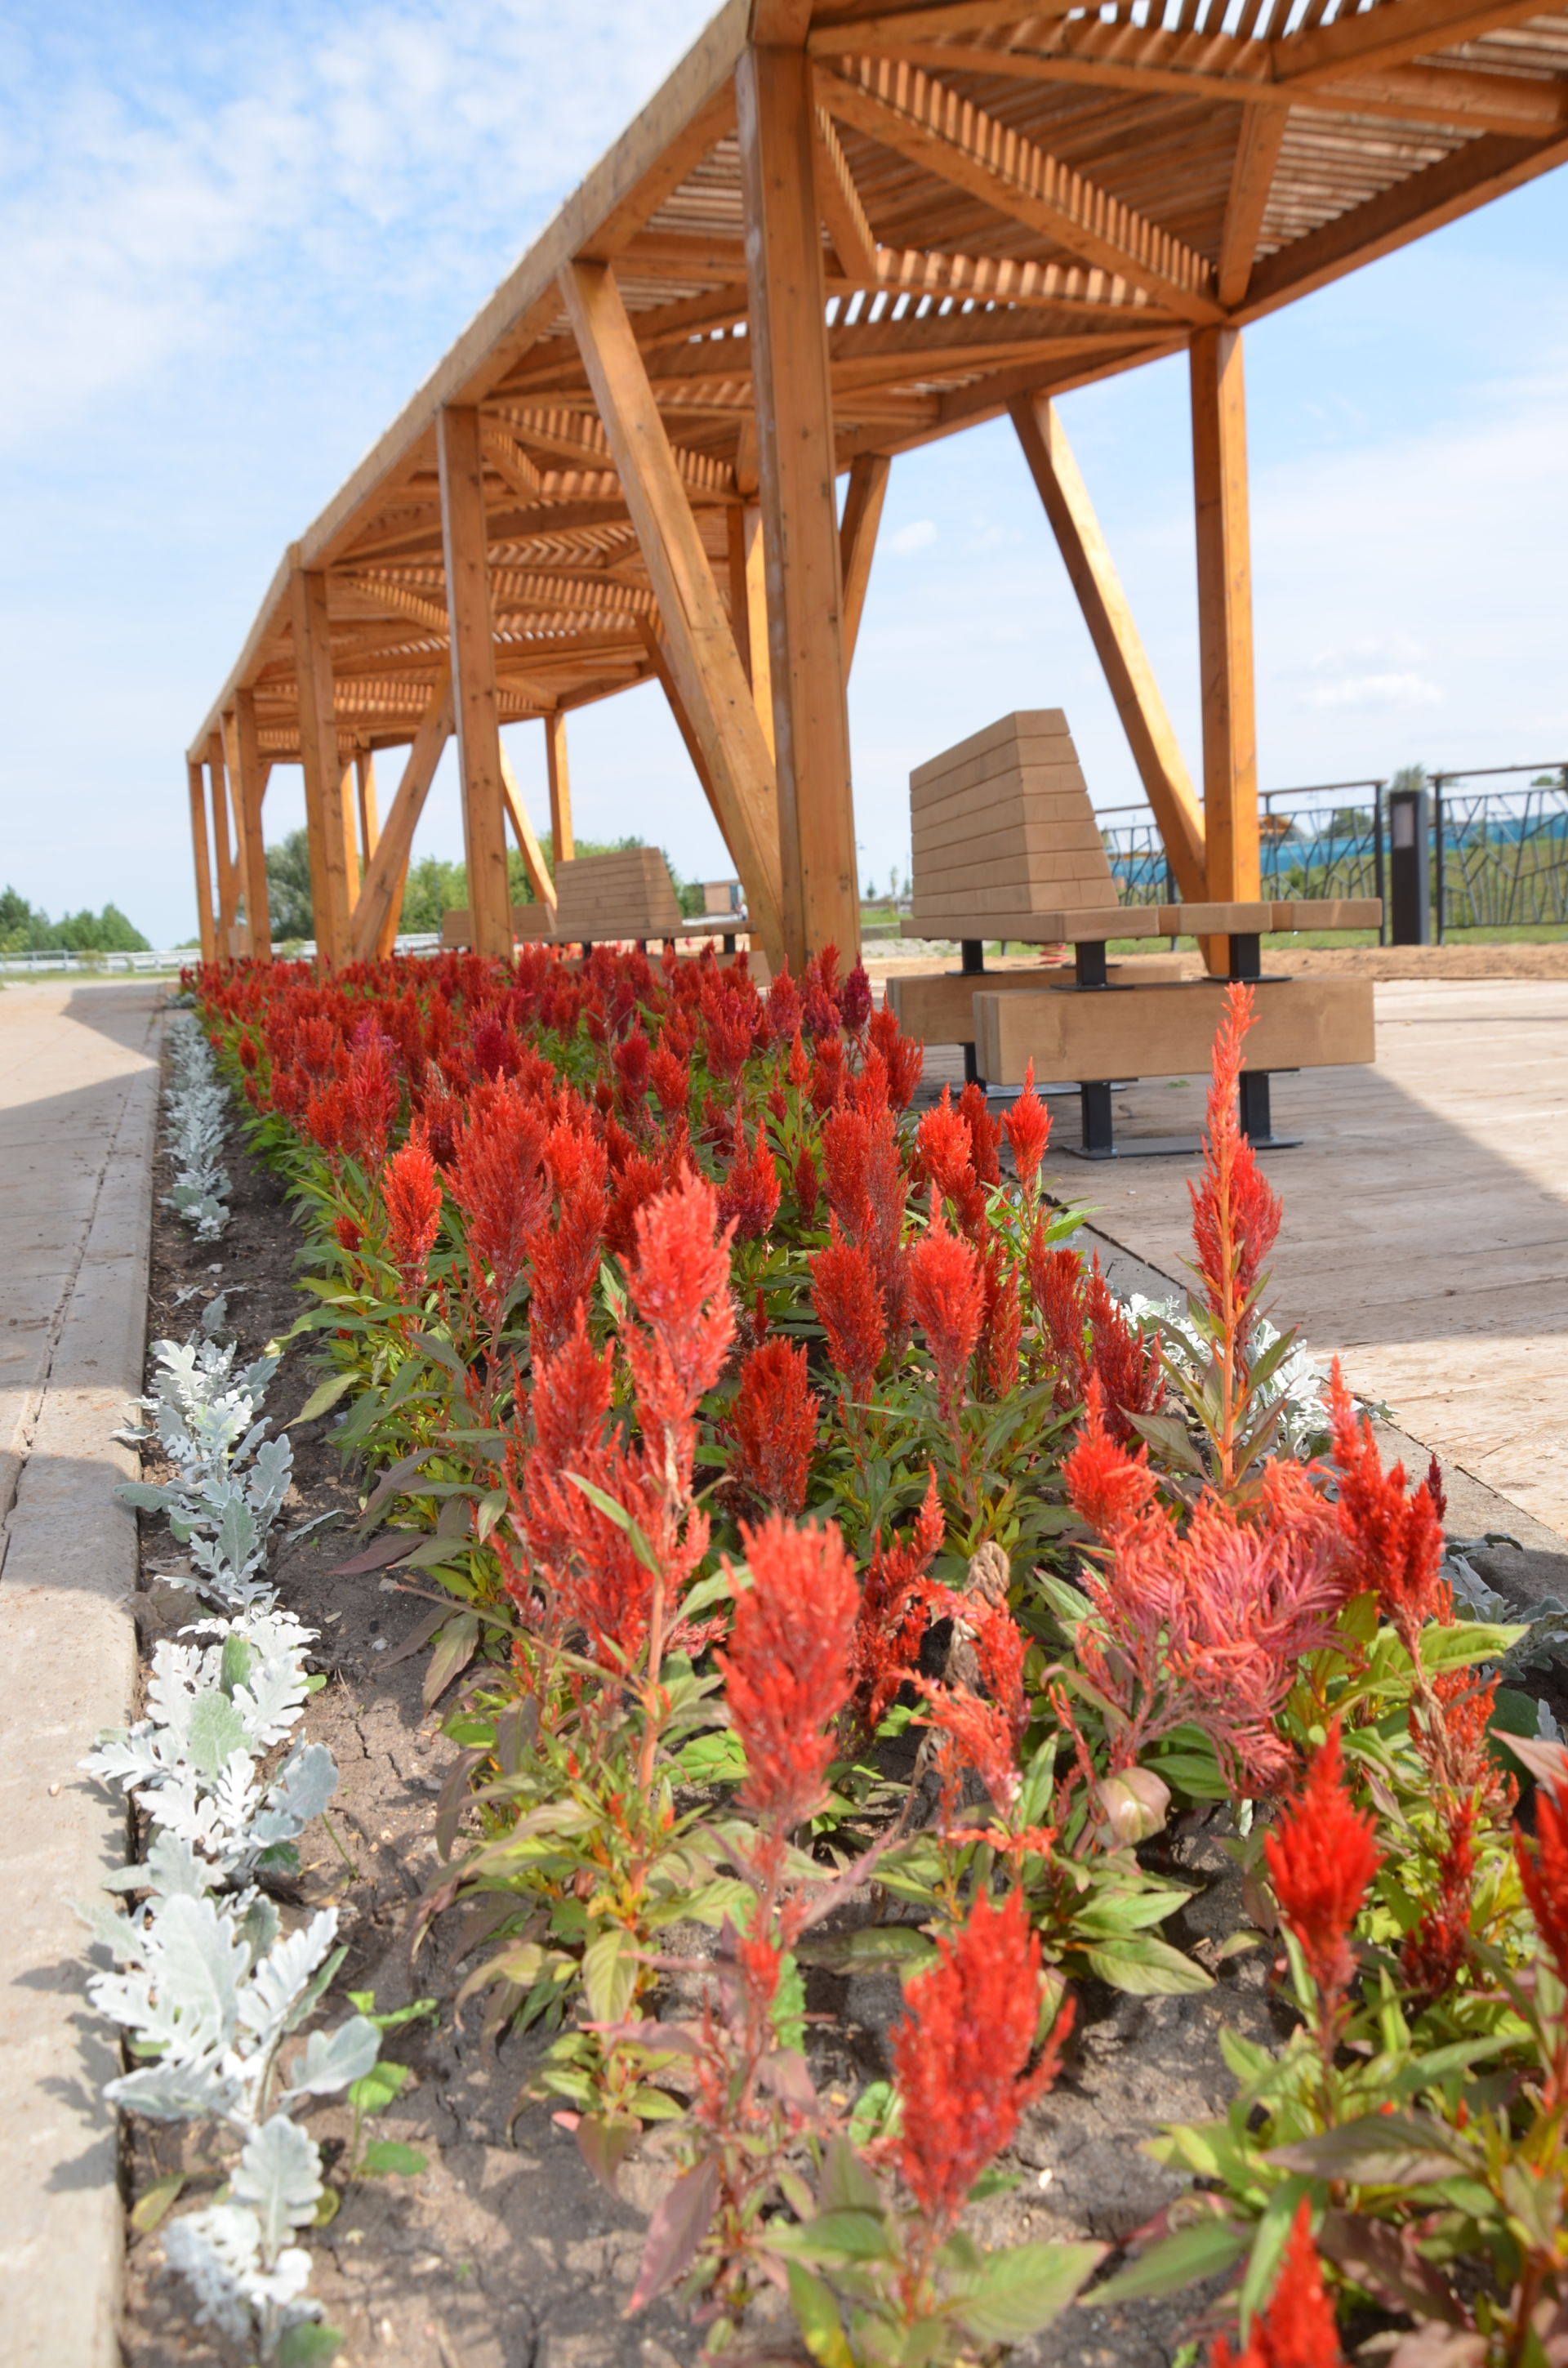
1499, 854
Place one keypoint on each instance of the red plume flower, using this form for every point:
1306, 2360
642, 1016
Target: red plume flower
1297, 2329
679, 1283
411, 1190
894, 1608
959, 2053
848, 1307
787, 1669
1322, 1856
1028, 1128
1236, 1215
749, 1192
775, 1424
497, 1182
1544, 1873
946, 1296
945, 1143
1392, 1543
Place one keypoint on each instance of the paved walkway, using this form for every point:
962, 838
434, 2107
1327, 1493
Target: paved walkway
78, 1086
1426, 1233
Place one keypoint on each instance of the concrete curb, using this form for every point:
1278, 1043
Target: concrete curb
68, 1645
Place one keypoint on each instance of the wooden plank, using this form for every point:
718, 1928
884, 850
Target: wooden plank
1005, 823
1024, 723
196, 783
222, 846
698, 643
921, 119
1224, 616
869, 475
369, 821
776, 116
1161, 1032
937, 1006
1233, 917
381, 899
348, 788
523, 832
748, 607
1258, 144
838, 202
250, 775
559, 771
1388, 36
1327, 912
1090, 926
1150, 733
474, 702
890, 29
325, 814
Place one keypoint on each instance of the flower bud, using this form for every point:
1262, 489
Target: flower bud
1133, 1804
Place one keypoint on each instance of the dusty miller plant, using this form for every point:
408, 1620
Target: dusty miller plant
196, 1105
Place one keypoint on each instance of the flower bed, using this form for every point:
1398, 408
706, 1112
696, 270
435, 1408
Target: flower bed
836, 1596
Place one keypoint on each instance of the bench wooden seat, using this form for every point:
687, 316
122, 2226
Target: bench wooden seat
1097, 925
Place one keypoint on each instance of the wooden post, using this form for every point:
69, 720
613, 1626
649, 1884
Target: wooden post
698, 642
561, 839
325, 812
473, 676
347, 791
370, 825
1224, 616
748, 608
223, 847
527, 837
250, 779
1155, 751
380, 898
868, 474
776, 114
196, 785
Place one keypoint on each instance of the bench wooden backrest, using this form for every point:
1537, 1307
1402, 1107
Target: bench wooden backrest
1002, 827
626, 894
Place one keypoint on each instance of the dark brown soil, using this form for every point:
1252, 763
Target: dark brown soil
506, 2253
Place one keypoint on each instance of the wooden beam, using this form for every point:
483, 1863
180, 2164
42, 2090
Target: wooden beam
838, 202
869, 475
365, 782
922, 120
893, 26
196, 782
748, 608
381, 899
701, 649
250, 775
523, 832
473, 678
1258, 144
325, 813
561, 839
1482, 169
347, 784
1224, 616
1155, 750
222, 846
1387, 36
776, 116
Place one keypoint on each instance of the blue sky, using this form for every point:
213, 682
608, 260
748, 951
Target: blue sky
233, 240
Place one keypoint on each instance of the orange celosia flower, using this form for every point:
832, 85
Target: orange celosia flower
1235, 1214
849, 1309
959, 2053
1027, 1129
1392, 1543
787, 1669
1322, 1856
943, 1139
1297, 2329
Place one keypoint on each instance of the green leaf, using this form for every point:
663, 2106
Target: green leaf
816, 2315
609, 1975
374, 2091
1380, 2150
388, 2157
846, 2184
1023, 2289
455, 1648
150, 2208
308, 2344
838, 2237
326, 1394
1174, 2262
869, 1948
1146, 1967
215, 1730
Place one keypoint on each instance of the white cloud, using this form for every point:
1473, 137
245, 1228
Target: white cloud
916, 535
1376, 690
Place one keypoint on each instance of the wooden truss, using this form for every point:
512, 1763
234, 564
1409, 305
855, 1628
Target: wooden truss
842, 229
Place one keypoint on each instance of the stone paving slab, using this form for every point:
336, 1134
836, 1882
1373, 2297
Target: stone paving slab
78, 1084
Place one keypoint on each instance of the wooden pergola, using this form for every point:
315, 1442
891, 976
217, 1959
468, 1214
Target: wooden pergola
842, 229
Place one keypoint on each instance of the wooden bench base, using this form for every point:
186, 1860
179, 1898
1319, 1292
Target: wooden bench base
937, 1006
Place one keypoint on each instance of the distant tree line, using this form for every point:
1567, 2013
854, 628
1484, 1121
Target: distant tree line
28, 929
434, 887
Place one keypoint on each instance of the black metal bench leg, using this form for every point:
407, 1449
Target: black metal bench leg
1099, 1126
1257, 1122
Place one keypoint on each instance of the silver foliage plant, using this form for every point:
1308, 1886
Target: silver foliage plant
196, 1105
204, 1981
1296, 1385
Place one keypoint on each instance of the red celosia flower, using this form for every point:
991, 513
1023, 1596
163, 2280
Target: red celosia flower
1392, 1543
1003, 1330
1236, 1215
1089, 1334
639, 1179
680, 1282
905, 1056
984, 1134
1435, 1490
775, 1425
748, 1194
565, 1260
894, 1610
1028, 1127
1107, 1488
946, 1296
325, 1117
854, 1000
671, 1079
1297, 2329
349, 1234
629, 1059
808, 1185
959, 2053
849, 1309
411, 1190
829, 1075
373, 1093
799, 1071
787, 1671
943, 1139
1322, 1856
982, 1731
1544, 1873
497, 1182
783, 1011
249, 1054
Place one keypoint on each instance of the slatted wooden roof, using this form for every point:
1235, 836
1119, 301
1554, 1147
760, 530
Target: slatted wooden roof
1010, 201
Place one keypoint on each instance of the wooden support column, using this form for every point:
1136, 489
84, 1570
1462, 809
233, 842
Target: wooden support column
365, 783
223, 847
473, 676
328, 822
1224, 616
748, 608
527, 837
869, 475
380, 898
560, 840
196, 784
776, 114
700, 645
1161, 767
250, 781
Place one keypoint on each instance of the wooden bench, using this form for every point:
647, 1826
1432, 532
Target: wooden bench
625, 897
1006, 847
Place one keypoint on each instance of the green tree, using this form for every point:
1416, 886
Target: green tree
288, 888
107, 932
